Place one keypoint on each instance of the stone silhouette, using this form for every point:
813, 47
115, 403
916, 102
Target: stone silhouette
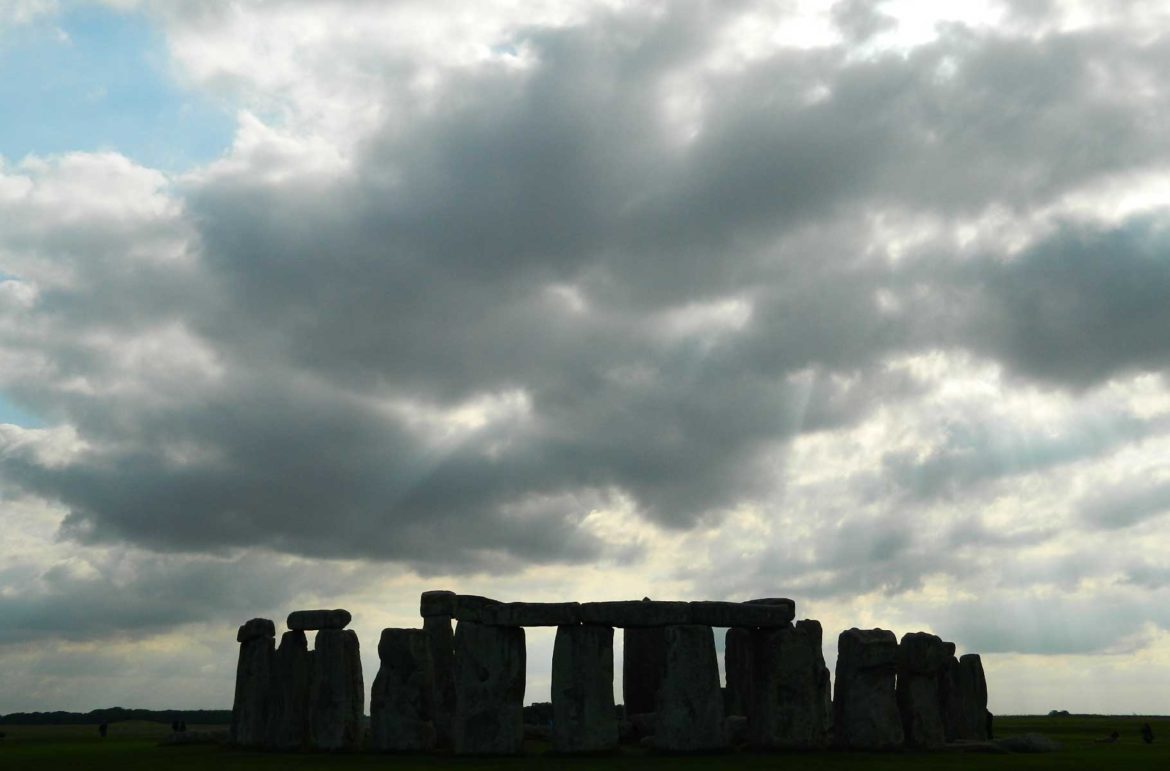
437, 609
253, 682
643, 662
973, 687
689, 709
737, 665
400, 700
288, 707
336, 691
584, 719
921, 660
865, 706
489, 689
790, 700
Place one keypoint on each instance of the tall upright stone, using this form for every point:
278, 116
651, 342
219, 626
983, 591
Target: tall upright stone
288, 713
489, 689
336, 691
791, 702
865, 706
737, 664
253, 683
584, 719
921, 659
643, 662
689, 714
973, 687
400, 700
950, 699
437, 609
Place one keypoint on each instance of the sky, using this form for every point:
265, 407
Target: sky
324, 304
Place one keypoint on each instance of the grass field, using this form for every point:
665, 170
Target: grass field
134, 745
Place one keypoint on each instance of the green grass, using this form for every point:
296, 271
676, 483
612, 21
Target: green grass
134, 745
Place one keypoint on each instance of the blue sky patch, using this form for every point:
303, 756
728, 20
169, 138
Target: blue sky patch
96, 79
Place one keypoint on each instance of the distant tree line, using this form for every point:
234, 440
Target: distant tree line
116, 714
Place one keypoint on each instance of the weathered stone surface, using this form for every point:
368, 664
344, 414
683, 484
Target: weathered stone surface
308, 620
288, 713
489, 689
745, 614
643, 662
635, 613
256, 629
438, 602
441, 643
973, 693
336, 691
469, 607
791, 702
737, 665
253, 683
921, 658
949, 697
530, 614
584, 719
865, 706
690, 704
400, 700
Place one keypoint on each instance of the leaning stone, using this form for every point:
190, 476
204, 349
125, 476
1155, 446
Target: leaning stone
255, 629
400, 700
643, 662
584, 719
950, 699
790, 705
437, 602
318, 619
288, 714
628, 613
921, 659
530, 614
737, 666
973, 690
469, 607
336, 691
865, 707
743, 614
489, 689
690, 703
253, 683
441, 643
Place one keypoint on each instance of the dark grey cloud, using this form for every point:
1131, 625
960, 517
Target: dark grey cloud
667, 314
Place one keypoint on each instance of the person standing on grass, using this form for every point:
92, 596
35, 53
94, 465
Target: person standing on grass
1147, 734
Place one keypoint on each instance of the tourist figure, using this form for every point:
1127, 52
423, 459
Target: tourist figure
102, 729
1147, 733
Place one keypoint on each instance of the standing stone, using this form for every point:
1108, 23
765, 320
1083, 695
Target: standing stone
790, 705
584, 719
336, 691
438, 602
950, 699
973, 687
689, 714
253, 683
865, 707
489, 689
737, 664
921, 658
288, 713
643, 662
400, 714
441, 642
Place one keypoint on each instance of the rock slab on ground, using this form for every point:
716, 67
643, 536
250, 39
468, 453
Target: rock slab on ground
336, 691
584, 719
865, 706
689, 716
400, 699
489, 689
